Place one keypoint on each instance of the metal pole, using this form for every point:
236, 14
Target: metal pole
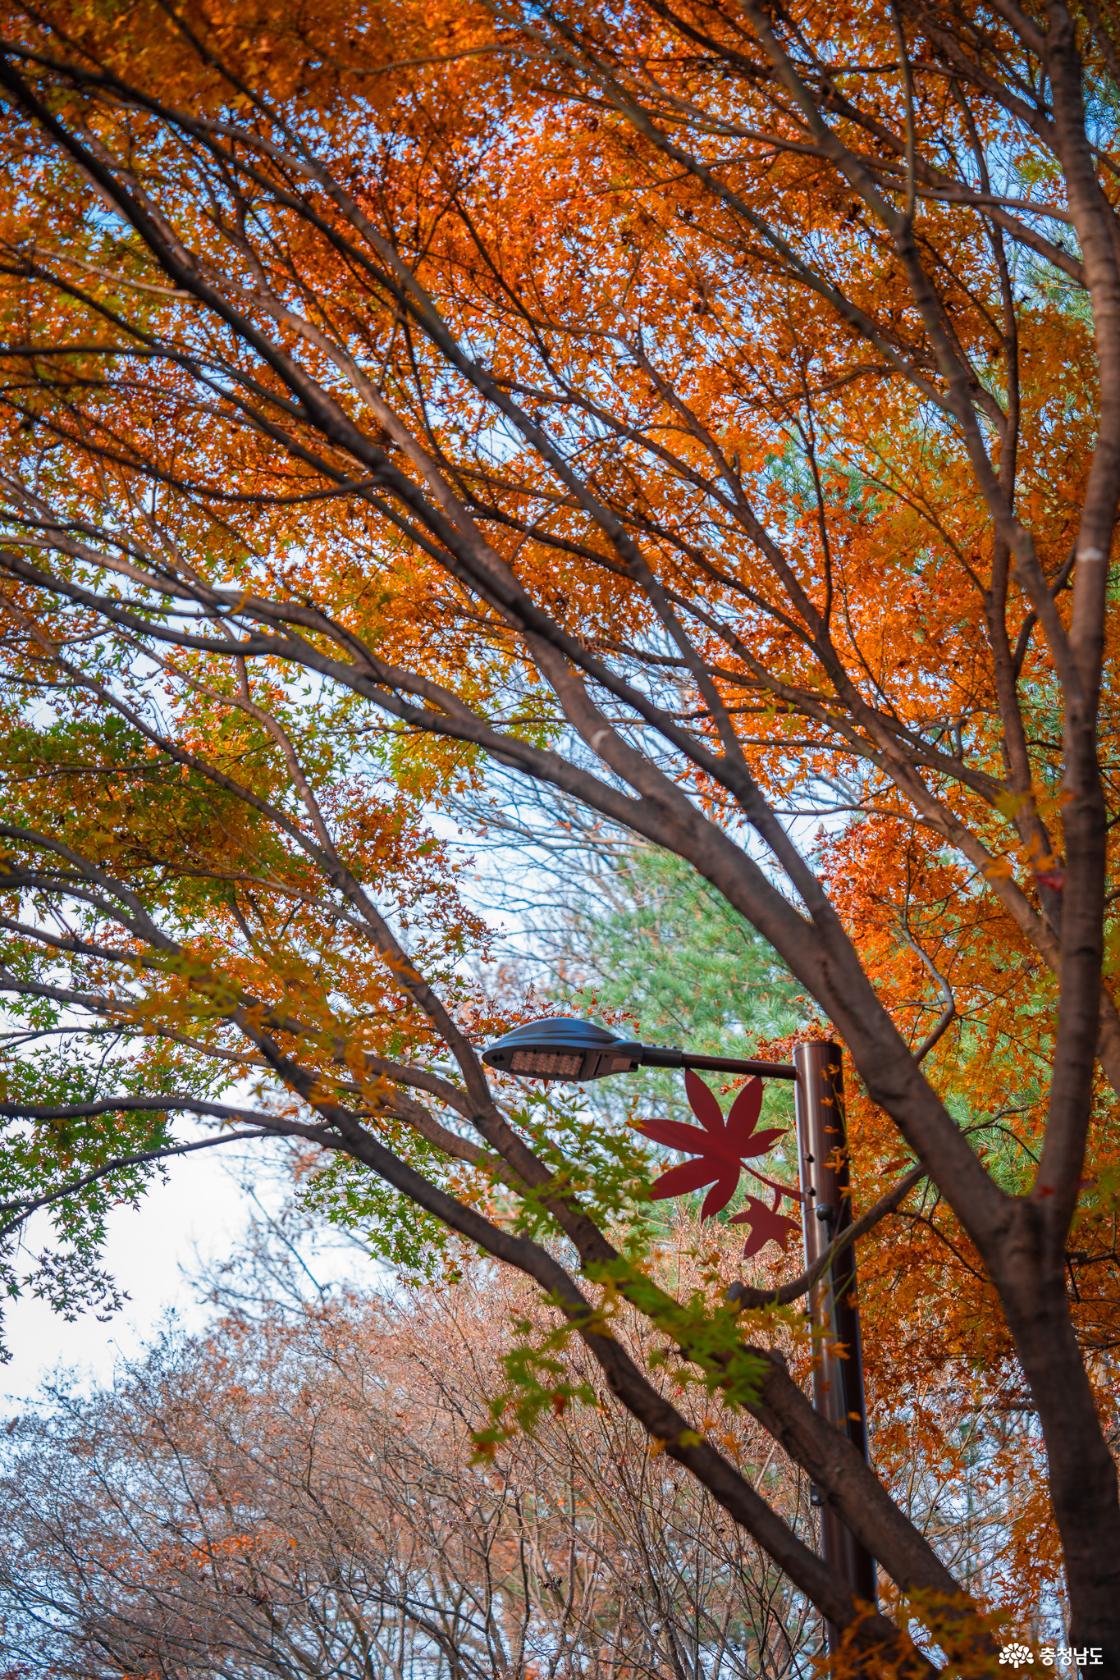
834, 1314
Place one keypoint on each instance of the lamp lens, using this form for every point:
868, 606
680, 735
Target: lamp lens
547, 1064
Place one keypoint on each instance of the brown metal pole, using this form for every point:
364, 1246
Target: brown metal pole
833, 1310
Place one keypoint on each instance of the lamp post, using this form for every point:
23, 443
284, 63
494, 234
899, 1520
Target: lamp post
562, 1048
838, 1392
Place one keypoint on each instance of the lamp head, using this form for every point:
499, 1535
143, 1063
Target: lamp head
562, 1048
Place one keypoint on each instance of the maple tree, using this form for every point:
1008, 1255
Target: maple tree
294, 1490
707, 412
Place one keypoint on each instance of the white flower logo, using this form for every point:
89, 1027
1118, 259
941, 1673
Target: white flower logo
1016, 1655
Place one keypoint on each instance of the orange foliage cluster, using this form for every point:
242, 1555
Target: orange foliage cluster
695, 410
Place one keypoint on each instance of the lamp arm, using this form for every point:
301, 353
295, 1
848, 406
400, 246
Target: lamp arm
656, 1055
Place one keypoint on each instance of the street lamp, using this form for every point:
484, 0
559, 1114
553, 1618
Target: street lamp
560, 1047
563, 1048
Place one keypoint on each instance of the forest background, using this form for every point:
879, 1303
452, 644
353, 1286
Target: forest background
676, 448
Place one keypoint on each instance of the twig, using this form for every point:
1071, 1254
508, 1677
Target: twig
743, 1295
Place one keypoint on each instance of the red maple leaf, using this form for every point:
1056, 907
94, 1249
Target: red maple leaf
720, 1146
766, 1224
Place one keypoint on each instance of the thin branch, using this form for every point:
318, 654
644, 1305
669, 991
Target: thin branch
745, 1296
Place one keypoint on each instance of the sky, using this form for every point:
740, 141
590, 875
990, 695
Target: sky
200, 1212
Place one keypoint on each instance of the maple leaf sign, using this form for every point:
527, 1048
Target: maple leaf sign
721, 1149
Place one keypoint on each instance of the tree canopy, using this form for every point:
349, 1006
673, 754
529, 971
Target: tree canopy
700, 414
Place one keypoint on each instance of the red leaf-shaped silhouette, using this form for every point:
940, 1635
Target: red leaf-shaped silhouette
690, 1175
762, 1141
677, 1135
703, 1104
719, 1146
782, 1189
745, 1110
721, 1192
766, 1225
